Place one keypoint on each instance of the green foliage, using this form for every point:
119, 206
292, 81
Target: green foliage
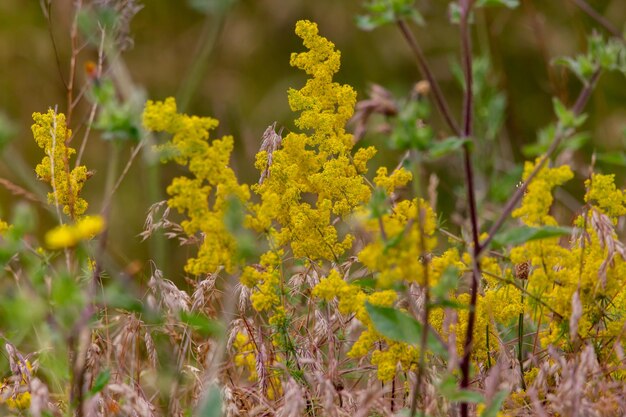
7, 130
399, 326
101, 381
211, 404
118, 122
603, 54
449, 389
384, 12
520, 235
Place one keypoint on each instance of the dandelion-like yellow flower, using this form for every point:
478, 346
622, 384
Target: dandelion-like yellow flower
68, 235
4, 226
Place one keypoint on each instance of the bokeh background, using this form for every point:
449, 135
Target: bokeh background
230, 60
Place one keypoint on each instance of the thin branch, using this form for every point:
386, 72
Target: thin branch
75, 51
94, 106
561, 134
601, 20
422, 64
468, 110
47, 11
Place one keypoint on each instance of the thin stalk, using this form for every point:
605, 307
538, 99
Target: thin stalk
425, 317
422, 64
468, 113
601, 20
487, 344
560, 134
75, 51
210, 33
520, 345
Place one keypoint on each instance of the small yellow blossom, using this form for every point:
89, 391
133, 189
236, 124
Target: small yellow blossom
398, 178
398, 258
4, 226
68, 235
20, 401
245, 356
538, 199
601, 189
330, 287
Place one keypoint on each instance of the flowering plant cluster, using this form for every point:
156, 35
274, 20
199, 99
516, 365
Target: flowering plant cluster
333, 285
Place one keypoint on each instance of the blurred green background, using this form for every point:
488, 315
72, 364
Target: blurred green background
243, 83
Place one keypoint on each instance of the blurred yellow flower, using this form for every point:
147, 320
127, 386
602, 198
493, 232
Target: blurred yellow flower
68, 235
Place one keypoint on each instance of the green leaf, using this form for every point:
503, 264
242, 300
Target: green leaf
503, 182
211, 7
450, 390
495, 405
211, 404
8, 130
101, 381
401, 327
378, 204
525, 234
384, 12
446, 146
201, 323
454, 13
511, 4
366, 283
447, 283
612, 158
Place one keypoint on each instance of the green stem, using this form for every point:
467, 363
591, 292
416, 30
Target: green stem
210, 33
488, 347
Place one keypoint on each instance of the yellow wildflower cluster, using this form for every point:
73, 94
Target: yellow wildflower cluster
52, 134
497, 304
538, 199
68, 235
205, 197
313, 177
245, 357
265, 280
398, 178
399, 242
352, 300
14, 390
589, 266
602, 192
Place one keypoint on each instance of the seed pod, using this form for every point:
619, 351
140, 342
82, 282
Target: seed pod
522, 270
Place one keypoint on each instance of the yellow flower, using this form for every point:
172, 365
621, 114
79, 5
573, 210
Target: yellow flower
4, 226
398, 257
204, 198
20, 401
68, 235
61, 237
330, 287
313, 180
398, 178
89, 226
601, 190
245, 356
538, 199
51, 134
